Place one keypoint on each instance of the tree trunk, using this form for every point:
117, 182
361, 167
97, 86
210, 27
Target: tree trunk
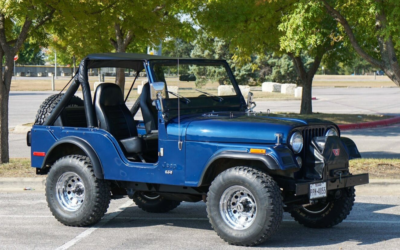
4, 96
5, 77
120, 79
306, 98
4, 156
306, 78
120, 44
5, 84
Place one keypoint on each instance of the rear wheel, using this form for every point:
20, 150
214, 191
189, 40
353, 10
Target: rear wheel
326, 214
74, 195
244, 206
154, 203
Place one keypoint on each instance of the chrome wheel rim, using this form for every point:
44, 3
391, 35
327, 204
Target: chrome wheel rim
317, 209
238, 207
70, 191
151, 196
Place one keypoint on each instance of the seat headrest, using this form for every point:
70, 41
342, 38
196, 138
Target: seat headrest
108, 94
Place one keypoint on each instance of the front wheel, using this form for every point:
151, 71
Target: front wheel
74, 195
326, 214
244, 206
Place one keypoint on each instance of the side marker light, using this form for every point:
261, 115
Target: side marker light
257, 151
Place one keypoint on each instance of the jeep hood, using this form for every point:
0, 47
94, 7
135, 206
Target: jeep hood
237, 127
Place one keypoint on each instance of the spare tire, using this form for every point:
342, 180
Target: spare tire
47, 107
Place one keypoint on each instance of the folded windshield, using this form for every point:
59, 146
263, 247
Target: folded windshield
193, 80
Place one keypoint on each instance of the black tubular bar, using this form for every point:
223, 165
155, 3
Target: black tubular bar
133, 83
87, 96
83, 79
62, 104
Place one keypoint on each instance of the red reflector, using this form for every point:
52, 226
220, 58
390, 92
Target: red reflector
39, 154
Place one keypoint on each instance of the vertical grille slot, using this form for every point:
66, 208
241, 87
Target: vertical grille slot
310, 133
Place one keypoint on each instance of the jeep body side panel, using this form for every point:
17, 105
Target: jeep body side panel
42, 139
276, 157
115, 165
81, 144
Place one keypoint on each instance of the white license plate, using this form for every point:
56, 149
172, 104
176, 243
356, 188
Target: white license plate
318, 190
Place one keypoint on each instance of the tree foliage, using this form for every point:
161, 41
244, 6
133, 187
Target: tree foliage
294, 28
117, 26
371, 28
31, 54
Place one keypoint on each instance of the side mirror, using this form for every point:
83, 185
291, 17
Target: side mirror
250, 102
156, 89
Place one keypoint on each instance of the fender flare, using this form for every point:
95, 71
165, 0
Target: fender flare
84, 146
351, 148
272, 159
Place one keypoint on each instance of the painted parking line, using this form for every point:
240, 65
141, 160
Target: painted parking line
89, 231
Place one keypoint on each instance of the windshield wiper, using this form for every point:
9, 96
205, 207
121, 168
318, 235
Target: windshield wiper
185, 100
220, 99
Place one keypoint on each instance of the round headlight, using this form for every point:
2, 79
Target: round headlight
296, 141
331, 132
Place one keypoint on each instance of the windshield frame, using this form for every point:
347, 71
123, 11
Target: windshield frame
204, 62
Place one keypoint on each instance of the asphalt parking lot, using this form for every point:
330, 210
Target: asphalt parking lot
27, 223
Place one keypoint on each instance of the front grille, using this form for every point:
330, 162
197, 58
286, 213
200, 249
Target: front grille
308, 171
310, 133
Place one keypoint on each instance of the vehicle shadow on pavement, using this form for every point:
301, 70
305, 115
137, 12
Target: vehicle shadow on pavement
380, 155
367, 224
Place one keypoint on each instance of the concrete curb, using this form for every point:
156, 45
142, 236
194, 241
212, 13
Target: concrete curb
21, 184
386, 122
22, 129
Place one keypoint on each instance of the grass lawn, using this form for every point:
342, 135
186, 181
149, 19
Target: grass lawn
377, 168
17, 167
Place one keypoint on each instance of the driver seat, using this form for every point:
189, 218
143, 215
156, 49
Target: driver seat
114, 117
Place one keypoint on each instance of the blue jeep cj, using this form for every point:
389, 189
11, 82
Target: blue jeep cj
199, 140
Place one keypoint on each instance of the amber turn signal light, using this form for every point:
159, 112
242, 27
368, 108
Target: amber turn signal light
257, 151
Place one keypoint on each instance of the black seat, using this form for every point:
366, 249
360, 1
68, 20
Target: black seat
149, 112
114, 116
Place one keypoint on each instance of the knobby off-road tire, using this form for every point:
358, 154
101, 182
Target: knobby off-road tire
73, 193
154, 203
250, 194
48, 105
326, 215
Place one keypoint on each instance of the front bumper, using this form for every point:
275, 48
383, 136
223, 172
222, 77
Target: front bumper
333, 184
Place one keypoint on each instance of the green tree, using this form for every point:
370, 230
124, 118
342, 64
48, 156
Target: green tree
209, 47
177, 47
294, 28
31, 16
273, 68
31, 54
118, 26
371, 27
